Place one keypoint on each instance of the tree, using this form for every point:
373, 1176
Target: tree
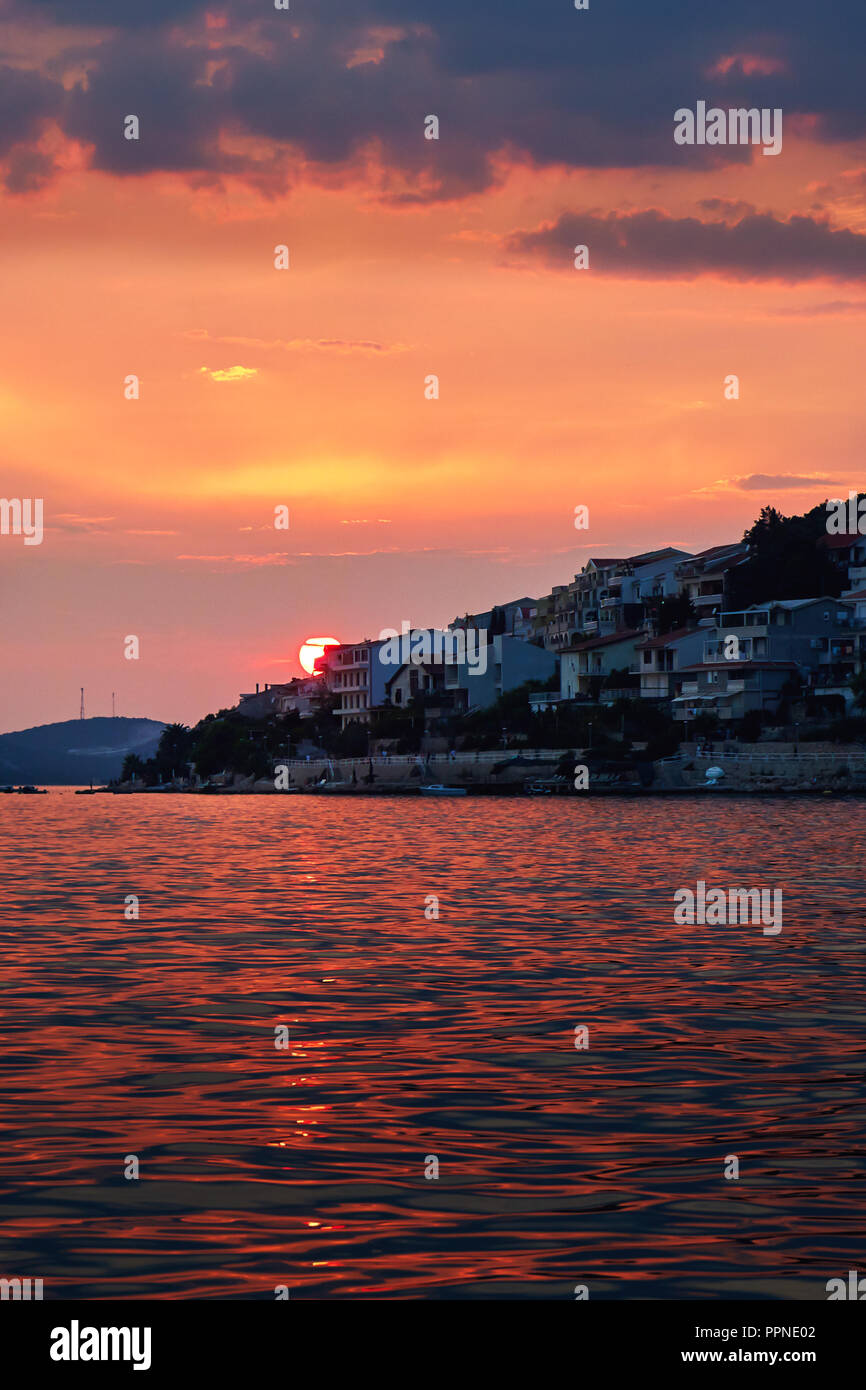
673, 613
175, 746
351, 742
785, 561
133, 766
173, 752
215, 745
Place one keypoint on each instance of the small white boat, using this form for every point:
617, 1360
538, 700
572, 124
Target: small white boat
437, 789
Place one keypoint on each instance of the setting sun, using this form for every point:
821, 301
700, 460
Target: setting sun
312, 649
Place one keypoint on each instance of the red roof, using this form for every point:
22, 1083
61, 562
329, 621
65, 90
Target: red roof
841, 542
649, 557
716, 550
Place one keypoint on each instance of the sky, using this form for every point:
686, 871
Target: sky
409, 257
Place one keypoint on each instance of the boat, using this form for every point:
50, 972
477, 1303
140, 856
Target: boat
330, 782
437, 789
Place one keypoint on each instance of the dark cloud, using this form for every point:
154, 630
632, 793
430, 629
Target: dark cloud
756, 482
27, 101
180, 116
729, 209
831, 309
116, 14
540, 80
650, 245
28, 170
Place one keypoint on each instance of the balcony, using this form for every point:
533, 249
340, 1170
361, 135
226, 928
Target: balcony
545, 700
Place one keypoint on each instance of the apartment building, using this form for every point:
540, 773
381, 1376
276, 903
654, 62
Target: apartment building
355, 673
610, 594
704, 577
583, 664
509, 663
749, 656
848, 554
660, 661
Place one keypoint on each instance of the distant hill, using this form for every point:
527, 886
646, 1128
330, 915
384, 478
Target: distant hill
75, 752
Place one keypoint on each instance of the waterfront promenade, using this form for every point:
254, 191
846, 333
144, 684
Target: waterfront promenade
763, 767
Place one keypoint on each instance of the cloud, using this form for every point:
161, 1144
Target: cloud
747, 64
730, 209
230, 373
72, 521
253, 561
757, 482
341, 345
281, 558
815, 311
110, 14
296, 344
346, 85
28, 169
652, 245
27, 101
754, 482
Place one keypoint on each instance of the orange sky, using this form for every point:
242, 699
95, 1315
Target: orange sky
558, 388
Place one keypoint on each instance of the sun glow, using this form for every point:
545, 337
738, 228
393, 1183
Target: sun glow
312, 649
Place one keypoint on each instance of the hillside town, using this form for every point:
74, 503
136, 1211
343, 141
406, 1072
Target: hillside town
638, 661
665, 627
